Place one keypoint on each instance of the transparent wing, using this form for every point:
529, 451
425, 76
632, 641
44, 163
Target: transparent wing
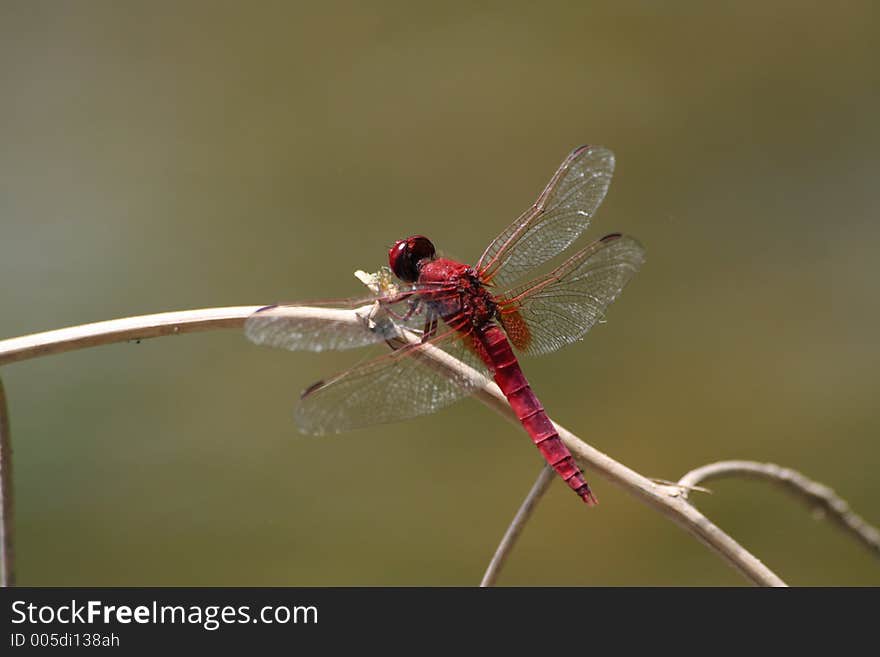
559, 216
558, 309
396, 386
323, 325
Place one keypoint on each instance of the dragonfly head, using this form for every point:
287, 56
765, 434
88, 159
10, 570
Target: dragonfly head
407, 256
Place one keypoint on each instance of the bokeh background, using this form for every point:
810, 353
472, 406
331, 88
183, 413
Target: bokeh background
165, 156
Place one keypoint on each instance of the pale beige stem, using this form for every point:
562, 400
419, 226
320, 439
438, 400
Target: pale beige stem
817, 496
7, 508
668, 500
505, 547
122, 330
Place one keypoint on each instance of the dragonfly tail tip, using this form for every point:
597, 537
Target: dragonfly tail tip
588, 497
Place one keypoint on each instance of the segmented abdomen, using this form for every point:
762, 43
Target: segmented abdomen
501, 360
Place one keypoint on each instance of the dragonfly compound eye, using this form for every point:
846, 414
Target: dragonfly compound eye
406, 255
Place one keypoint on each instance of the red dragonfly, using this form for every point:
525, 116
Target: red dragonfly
479, 325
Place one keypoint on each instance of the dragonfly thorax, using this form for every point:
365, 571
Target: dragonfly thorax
476, 301
456, 293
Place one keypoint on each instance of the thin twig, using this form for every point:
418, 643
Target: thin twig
817, 496
7, 508
122, 330
505, 547
666, 499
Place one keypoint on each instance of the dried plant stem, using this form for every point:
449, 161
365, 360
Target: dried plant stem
668, 500
815, 495
505, 547
7, 570
122, 330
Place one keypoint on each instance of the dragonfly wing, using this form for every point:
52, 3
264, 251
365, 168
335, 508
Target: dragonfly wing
323, 325
559, 216
560, 308
399, 385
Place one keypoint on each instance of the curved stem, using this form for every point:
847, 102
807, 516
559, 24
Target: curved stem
816, 495
668, 500
505, 547
7, 570
122, 330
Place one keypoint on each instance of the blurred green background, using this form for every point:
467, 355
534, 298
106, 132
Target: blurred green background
165, 156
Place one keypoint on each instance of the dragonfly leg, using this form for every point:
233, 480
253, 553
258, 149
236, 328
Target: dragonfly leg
413, 307
380, 318
430, 329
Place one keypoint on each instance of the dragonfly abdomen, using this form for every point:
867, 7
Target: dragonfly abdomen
528, 409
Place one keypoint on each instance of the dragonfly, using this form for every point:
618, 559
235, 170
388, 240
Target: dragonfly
481, 315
